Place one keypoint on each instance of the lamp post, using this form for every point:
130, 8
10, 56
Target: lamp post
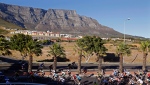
124, 32
124, 28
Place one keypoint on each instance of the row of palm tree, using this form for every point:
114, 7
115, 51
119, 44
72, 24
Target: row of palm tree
124, 49
88, 45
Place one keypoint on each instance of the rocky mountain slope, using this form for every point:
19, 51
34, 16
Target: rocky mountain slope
57, 20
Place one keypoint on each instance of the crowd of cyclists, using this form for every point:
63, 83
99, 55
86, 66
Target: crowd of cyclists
63, 75
124, 78
116, 78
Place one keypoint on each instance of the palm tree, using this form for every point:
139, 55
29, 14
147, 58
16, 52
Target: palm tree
4, 46
18, 42
145, 47
56, 50
100, 50
26, 45
80, 54
32, 47
122, 49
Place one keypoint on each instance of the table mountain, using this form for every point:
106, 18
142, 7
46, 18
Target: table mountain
57, 20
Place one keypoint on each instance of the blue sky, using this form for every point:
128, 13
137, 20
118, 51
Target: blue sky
111, 13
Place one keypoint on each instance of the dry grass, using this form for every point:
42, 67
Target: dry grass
136, 56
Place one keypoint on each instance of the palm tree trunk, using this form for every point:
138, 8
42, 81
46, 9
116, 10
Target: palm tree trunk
144, 61
22, 56
30, 63
79, 64
121, 63
55, 63
100, 64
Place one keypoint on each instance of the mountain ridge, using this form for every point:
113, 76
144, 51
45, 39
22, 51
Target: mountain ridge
59, 20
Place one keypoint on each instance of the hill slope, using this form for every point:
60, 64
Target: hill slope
7, 25
3, 32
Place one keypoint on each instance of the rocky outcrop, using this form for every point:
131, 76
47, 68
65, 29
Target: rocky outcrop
65, 21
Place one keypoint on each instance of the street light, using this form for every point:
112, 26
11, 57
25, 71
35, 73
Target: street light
124, 28
124, 32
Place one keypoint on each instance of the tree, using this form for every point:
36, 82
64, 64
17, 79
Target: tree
122, 49
80, 54
56, 50
4, 46
18, 42
47, 42
26, 45
87, 55
100, 50
145, 47
83, 45
88, 47
33, 47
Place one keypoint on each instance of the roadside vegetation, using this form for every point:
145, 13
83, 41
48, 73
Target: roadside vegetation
87, 49
84, 49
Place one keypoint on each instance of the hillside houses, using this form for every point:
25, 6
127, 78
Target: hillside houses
42, 35
45, 35
36, 33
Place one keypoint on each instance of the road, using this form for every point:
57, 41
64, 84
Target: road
12, 64
65, 66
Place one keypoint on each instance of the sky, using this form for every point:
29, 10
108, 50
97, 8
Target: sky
111, 13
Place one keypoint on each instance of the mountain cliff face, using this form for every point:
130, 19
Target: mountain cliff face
64, 21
